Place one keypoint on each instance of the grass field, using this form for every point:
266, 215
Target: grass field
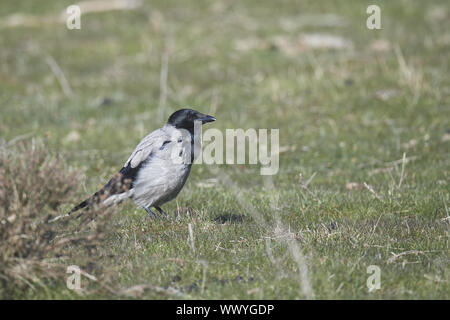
365, 113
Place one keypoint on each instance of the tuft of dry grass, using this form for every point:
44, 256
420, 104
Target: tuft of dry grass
33, 185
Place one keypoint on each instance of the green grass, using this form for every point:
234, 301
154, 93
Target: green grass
327, 105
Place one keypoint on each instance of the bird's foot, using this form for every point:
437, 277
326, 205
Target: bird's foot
162, 213
150, 213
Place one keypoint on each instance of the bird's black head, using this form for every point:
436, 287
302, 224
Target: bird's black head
184, 119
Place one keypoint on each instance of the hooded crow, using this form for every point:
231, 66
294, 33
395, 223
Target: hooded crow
157, 169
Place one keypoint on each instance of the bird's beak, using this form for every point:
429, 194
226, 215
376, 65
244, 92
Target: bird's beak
206, 119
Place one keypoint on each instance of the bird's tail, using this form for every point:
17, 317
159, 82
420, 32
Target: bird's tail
81, 205
87, 204
118, 184
95, 200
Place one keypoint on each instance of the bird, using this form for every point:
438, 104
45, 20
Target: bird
157, 169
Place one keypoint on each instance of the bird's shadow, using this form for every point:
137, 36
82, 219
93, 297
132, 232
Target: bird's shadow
229, 217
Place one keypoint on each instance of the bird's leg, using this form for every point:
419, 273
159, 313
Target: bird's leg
161, 211
150, 212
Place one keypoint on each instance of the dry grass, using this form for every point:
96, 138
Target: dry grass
33, 185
